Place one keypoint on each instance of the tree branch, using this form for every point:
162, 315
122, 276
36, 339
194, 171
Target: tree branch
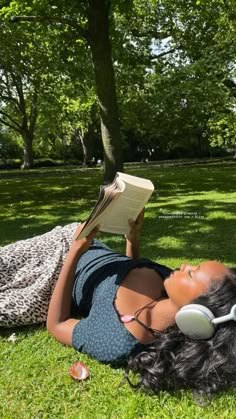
8, 96
8, 99
16, 126
154, 34
19, 89
33, 112
162, 54
9, 125
48, 19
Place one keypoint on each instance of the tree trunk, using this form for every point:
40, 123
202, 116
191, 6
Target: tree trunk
28, 125
28, 150
87, 140
98, 32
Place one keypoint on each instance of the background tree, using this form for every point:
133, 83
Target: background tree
174, 64
9, 147
19, 87
173, 69
90, 20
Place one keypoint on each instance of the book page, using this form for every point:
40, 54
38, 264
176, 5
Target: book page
134, 180
105, 197
100, 215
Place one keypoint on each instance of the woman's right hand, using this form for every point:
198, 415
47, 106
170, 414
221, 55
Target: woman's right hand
82, 245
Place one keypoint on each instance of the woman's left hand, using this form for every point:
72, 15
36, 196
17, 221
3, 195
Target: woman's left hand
135, 228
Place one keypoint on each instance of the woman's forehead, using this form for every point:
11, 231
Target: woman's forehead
213, 268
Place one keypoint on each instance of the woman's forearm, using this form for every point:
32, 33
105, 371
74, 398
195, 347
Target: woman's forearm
132, 237
132, 249
60, 304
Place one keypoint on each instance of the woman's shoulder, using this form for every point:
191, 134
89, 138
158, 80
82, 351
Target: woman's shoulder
163, 270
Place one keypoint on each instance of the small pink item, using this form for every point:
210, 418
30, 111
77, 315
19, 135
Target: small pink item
126, 318
78, 371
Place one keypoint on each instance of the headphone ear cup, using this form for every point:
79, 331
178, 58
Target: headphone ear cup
195, 321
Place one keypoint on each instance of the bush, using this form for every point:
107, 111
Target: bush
7, 164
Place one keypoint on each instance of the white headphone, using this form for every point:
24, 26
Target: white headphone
198, 322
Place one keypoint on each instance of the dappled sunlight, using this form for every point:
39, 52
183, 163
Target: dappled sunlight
190, 216
170, 242
189, 227
221, 214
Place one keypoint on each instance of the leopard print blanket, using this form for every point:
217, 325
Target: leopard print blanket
28, 273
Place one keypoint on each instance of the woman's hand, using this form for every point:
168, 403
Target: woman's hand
132, 238
78, 230
82, 245
135, 228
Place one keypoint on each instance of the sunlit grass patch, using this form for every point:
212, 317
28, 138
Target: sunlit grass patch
190, 217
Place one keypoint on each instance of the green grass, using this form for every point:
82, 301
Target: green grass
191, 217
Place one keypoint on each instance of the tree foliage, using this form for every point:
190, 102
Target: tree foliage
183, 77
89, 22
168, 65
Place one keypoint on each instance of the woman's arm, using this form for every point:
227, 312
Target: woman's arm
59, 323
132, 238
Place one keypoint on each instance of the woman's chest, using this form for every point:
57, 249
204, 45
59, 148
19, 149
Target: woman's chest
136, 297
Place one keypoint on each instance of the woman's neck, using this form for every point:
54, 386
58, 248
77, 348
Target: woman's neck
163, 314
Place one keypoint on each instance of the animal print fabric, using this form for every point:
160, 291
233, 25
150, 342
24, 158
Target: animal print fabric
28, 273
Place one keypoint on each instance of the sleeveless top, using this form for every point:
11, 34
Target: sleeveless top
101, 334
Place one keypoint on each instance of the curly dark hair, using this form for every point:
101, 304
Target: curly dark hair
175, 362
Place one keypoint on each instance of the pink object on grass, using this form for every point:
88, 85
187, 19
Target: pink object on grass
78, 371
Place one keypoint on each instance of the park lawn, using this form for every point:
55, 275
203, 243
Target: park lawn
190, 217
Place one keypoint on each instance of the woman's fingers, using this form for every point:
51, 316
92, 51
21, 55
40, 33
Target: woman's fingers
140, 217
94, 232
131, 222
78, 230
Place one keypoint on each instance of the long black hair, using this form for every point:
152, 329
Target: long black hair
174, 361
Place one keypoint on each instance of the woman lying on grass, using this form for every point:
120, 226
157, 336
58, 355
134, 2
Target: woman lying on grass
129, 308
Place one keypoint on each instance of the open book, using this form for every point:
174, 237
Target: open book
123, 199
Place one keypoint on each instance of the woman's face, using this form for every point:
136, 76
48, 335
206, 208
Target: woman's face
188, 283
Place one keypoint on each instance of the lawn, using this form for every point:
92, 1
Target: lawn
190, 217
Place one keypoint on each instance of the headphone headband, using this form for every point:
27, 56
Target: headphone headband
227, 317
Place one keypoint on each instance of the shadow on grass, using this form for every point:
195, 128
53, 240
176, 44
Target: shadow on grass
194, 204
21, 331
33, 206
